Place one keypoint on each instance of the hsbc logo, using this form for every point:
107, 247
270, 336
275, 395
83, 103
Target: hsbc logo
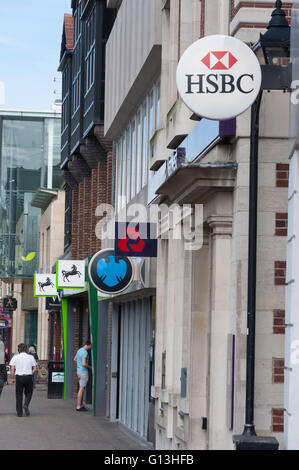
218, 77
219, 60
222, 83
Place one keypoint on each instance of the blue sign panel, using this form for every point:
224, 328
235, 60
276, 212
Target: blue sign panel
136, 239
109, 273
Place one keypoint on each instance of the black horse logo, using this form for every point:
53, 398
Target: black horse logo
42, 285
74, 272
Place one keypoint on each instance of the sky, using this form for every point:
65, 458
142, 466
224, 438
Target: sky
30, 41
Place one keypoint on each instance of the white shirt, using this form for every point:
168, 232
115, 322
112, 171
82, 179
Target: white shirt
23, 363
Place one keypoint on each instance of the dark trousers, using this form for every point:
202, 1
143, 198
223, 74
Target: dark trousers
24, 384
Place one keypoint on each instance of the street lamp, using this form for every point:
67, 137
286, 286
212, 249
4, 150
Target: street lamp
273, 51
275, 43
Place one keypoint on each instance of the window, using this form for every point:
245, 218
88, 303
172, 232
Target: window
151, 114
119, 172
128, 169
77, 78
145, 143
138, 152
90, 51
158, 104
133, 159
133, 147
123, 168
76, 84
65, 98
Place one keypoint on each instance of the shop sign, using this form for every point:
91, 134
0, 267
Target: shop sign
135, 239
58, 377
5, 321
44, 285
53, 304
70, 274
110, 274
218, 77
10, 303
5, 315
175, 161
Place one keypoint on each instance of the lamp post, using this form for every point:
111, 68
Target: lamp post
273, 51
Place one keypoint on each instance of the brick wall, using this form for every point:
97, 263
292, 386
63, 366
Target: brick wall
282, 175
278, 322
277, 419
277, 370
92, 191
281, 224
280, 273
75, 219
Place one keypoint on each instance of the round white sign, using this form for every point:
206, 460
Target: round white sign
218, 77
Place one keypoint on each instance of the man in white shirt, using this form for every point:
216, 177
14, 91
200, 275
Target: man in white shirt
23, 366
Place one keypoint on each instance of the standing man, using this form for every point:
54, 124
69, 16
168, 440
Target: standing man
23, 366
82, 373
3, 371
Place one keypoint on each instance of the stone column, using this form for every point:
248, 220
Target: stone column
219, 435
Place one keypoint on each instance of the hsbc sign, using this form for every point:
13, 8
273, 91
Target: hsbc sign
218, 77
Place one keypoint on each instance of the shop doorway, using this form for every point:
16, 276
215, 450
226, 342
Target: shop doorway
136, 344
84, 335
30, 330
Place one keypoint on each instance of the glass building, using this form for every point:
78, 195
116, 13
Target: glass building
29, 160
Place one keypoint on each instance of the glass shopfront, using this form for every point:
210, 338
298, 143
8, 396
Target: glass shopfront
29, 160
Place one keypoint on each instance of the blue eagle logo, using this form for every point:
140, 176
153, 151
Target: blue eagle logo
111, 271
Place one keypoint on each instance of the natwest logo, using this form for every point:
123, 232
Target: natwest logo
218, 77
219, 60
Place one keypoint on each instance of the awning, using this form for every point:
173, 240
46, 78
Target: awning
194, 183
43, 197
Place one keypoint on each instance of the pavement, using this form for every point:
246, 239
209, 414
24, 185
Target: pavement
54, 424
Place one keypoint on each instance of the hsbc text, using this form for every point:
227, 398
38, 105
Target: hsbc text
222, 83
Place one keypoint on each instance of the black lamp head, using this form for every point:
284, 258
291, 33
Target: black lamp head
275, 43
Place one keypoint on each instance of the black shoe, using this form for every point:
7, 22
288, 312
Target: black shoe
26, 409
82, 409
20, 415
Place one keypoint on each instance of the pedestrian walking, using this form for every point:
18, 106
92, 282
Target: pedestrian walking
33, 353
22, 368
82, 373
3, 371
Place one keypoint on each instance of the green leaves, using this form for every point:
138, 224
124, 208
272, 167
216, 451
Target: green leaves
29, 257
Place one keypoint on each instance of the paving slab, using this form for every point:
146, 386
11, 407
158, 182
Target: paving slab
54, 424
